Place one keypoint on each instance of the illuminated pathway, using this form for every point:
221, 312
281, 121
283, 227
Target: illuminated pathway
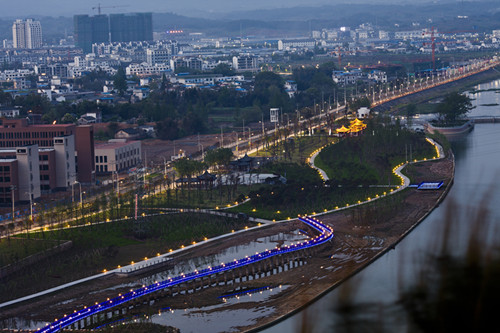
322, 173
405, 181
325, 234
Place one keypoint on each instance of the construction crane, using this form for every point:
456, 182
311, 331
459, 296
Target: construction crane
340, 57
433, 45
98, 7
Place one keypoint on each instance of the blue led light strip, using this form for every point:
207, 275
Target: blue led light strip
325, 234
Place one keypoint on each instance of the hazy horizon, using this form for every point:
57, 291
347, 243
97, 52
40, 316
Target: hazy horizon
198, 8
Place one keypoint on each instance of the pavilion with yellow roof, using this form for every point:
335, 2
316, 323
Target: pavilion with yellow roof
354, 129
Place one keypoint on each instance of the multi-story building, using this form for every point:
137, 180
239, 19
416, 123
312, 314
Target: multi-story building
157, 56
115, 28
27, 34
72, 144
245, 63
145, 69
9, 112
89, 30
378, 76
348, 77
131, 27
186, 62
21, 173
28, 171
59, 70
8, 180
117, 155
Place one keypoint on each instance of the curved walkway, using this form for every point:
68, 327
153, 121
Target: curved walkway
311, 160
405, 181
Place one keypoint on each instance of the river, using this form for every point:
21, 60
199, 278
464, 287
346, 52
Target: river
477, 183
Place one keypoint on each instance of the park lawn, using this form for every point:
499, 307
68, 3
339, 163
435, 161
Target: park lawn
283, 202
369, 159
299, 151
105, 246
200, 198
14, 249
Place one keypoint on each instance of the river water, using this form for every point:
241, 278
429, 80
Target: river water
477, 183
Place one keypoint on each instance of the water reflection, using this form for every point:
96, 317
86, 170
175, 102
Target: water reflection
22, 324
229, 254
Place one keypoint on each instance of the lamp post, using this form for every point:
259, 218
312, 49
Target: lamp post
249, 137
73, 192
31, 205
12, 188
164, 167
81, 196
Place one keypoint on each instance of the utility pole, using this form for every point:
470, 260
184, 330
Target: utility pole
221, 138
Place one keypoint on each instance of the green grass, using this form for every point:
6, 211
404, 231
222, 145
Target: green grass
298, 151
16, 248
284, 201
105, 246
369, 159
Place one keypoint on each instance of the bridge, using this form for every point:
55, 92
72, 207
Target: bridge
485, 119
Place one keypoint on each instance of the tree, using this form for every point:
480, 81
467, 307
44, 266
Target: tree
218, 157
167, 129
264, 80
120, 81
68, 119
223, 69
411, 109
453, 108
113, 127
358, 103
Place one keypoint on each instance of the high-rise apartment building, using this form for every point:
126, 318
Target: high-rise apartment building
27, 34
131, 27
89, 30
115, 28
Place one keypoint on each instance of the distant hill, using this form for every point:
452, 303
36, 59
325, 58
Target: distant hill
481, 16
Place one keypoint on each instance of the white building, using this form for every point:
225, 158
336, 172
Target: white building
28, 160
347, 78
383, 35
117, 155
206, 79
64, 147
245, 63
413, 34
158, 56
145, 69
378, 76
296, 44
363, 112
291, 88
9, 112
10, 74
27, 34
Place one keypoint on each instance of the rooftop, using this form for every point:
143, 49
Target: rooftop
113, 145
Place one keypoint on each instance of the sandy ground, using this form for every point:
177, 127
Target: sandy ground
356, 244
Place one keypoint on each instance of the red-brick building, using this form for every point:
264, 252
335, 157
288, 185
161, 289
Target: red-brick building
17, 133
